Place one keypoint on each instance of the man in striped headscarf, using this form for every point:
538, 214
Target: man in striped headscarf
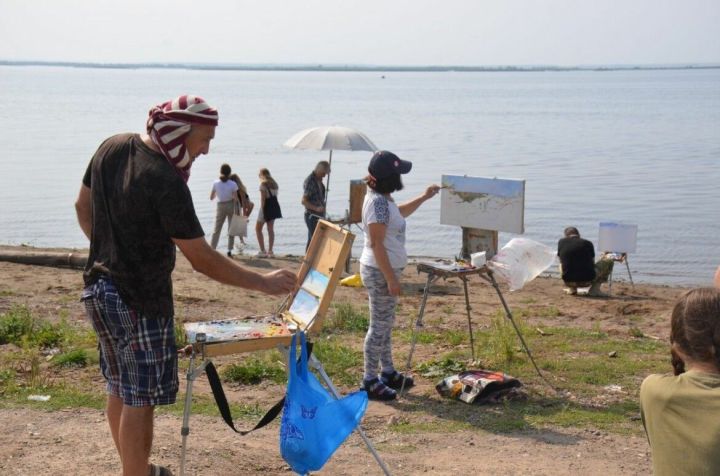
135, 207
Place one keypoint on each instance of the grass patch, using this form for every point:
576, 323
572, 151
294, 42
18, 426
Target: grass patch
19, 327
73, 358
343, 364
254, 369
346, 317
440, 368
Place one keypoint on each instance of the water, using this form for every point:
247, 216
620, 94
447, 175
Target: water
632, 146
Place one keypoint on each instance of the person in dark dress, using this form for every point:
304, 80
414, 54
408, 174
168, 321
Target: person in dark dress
577, 262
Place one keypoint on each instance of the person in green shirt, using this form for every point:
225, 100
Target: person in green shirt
681, 412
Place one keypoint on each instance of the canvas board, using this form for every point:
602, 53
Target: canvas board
304, 307
315, 283
617, 237
484, 203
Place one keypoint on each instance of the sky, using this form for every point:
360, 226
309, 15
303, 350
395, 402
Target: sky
367, 32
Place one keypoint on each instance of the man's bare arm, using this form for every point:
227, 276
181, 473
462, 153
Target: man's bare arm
212, 264
83, 209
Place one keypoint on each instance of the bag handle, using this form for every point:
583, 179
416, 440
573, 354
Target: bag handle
303, 369
224, 407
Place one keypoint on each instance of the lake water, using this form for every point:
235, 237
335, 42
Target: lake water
631, 146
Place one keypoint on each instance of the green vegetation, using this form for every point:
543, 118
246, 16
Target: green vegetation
345, 317
254, 369
73, 358
343, 364
598, 373
19, 327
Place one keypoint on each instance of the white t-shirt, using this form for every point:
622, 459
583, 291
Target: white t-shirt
378, 209
225, 191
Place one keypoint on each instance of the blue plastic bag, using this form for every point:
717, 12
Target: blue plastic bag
314, 424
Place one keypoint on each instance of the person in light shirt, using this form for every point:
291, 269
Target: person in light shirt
225, 191
381, 263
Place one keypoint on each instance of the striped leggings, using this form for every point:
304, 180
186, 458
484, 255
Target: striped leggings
378, 345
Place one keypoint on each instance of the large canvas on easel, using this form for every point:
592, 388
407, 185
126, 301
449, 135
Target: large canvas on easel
484, 203
617, 237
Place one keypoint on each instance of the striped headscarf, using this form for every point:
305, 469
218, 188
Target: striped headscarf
169, 124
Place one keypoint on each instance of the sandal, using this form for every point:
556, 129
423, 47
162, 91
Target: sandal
157, 470
395, 379
261, 254
377, 390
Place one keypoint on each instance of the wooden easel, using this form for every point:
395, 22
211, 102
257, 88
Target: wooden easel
329, 247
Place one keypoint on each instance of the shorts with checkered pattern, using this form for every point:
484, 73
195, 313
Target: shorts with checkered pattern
138, 357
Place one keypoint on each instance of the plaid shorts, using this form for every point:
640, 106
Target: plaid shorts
138, 357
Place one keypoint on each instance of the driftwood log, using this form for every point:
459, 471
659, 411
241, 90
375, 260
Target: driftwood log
46, 258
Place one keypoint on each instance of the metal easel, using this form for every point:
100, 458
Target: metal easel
463, 274
623, 258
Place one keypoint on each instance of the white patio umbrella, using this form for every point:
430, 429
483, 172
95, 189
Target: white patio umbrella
330, 138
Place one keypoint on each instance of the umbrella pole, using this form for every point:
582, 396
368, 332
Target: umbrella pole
327, 187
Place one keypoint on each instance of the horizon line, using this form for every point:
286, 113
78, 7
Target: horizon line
353, 67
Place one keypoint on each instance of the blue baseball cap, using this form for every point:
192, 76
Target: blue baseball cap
384, 164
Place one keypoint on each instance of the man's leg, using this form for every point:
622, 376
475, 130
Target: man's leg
311, 222
603, 269
113, 412
136, 433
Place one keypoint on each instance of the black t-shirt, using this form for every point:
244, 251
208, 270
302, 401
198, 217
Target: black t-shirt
577, 257
139, 203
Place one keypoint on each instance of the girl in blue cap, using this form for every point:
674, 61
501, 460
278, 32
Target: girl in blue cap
381, 263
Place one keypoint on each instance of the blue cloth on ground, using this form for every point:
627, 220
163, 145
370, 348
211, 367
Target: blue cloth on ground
314, 424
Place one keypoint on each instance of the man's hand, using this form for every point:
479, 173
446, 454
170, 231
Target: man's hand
281, 281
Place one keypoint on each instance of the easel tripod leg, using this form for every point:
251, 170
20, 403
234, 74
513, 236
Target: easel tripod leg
185, 430
467, 308
317, 365
418, 325
517, 330
627, 265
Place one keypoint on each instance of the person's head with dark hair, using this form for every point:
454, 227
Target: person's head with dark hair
322, 168
571, 231
225, 172
384, 171
695, 331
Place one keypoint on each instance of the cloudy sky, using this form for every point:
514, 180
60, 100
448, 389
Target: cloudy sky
387, 32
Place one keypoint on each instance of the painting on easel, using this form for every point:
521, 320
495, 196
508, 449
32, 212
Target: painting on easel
617, 237
484, 203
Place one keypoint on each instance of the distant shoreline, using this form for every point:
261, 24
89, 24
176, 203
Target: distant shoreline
359, 68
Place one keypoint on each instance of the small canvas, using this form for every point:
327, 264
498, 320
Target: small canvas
617, 237
304, 307
484, 203
315, 283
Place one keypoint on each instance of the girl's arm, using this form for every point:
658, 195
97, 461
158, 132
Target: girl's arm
377, 238
407, 208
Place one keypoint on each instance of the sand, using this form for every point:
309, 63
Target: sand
77, 441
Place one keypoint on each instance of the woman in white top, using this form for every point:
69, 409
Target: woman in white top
269, 212
226, 192
381, 263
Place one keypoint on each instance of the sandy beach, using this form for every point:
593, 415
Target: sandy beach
592, 426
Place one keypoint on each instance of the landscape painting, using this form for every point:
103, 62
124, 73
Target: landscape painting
484, 203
